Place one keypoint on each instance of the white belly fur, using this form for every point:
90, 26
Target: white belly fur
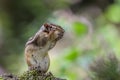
41, 58
42, 62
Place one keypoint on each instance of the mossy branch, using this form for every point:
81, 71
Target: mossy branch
34, 74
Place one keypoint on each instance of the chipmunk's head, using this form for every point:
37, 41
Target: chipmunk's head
58, 30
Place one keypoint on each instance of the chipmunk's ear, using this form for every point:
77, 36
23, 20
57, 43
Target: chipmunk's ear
46, 25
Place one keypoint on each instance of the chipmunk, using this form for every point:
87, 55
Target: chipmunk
37, 47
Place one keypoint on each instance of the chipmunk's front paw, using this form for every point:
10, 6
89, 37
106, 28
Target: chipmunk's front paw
35, 68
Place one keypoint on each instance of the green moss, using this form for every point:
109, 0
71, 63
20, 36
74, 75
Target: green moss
34, 74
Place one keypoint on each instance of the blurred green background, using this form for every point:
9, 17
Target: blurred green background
92, 29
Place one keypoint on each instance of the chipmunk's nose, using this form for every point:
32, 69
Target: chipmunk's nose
59, 35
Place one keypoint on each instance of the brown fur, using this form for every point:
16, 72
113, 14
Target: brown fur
36, 51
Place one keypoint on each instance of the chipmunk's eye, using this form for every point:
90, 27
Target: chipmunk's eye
54, 28
50, 28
